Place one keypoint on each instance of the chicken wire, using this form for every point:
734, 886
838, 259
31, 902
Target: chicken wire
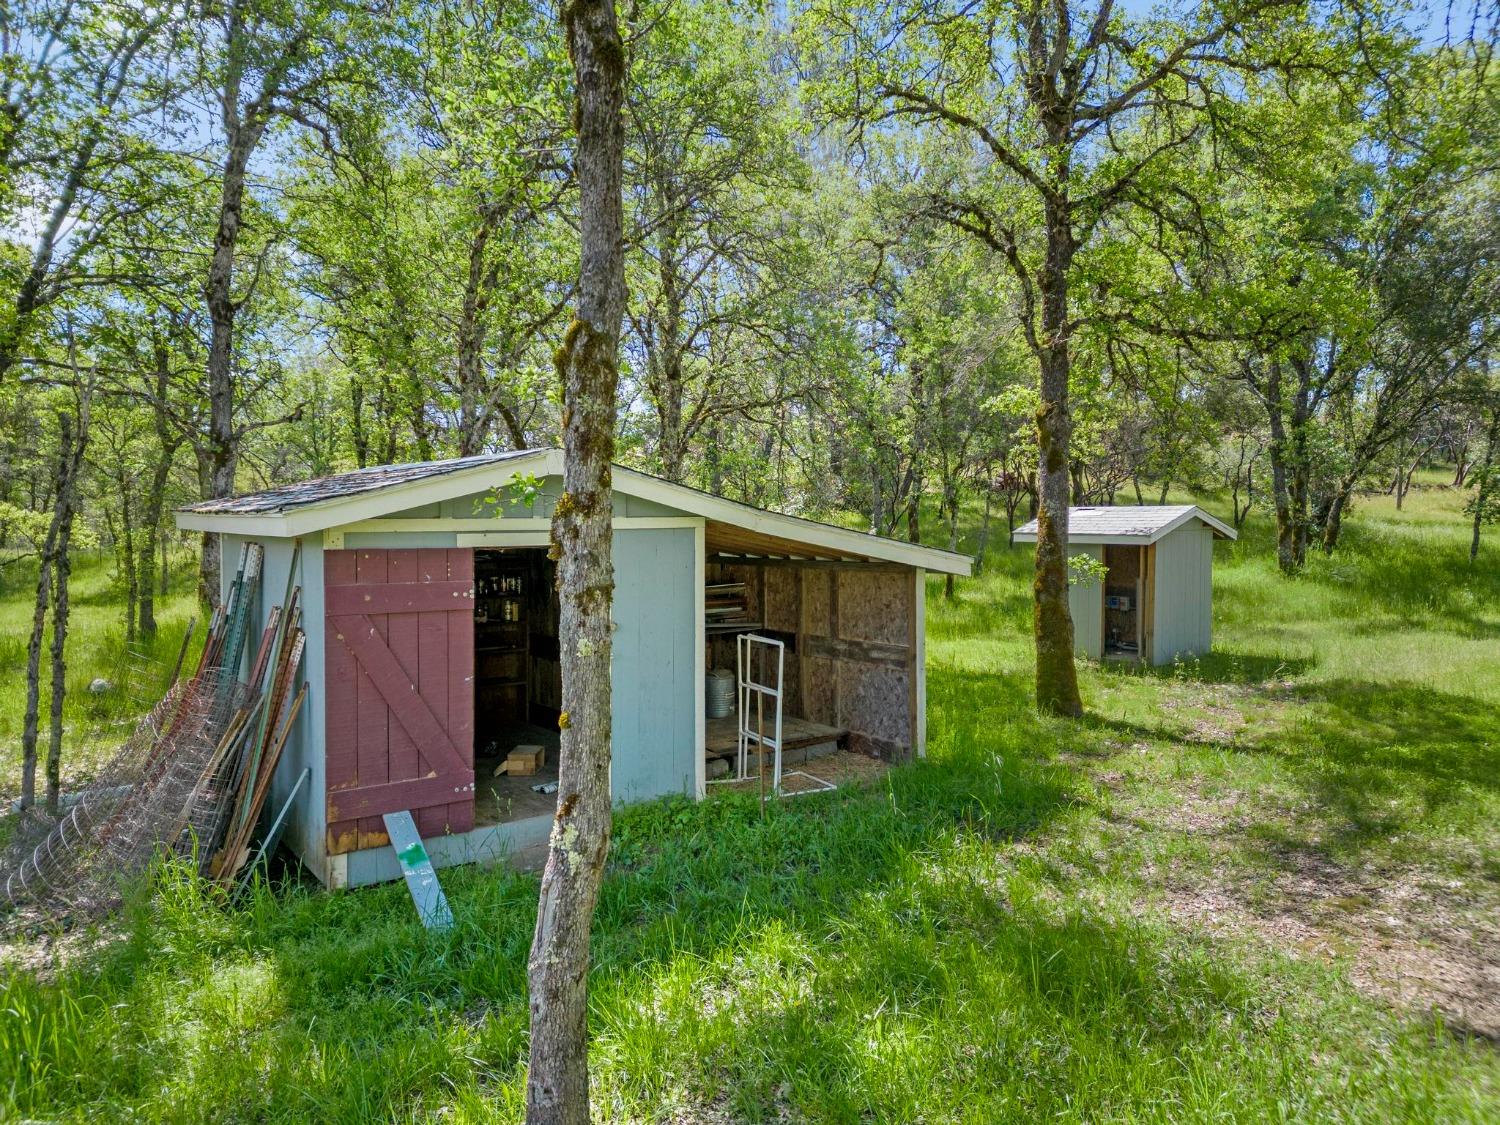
162, 792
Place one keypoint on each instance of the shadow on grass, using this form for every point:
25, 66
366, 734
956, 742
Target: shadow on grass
1363, 749
1217, 668
984, 1009
862, 954
1374, 761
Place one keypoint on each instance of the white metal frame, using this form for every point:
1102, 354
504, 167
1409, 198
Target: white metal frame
750, 688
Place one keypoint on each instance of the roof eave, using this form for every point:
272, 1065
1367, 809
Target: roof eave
1220, 529
339, 511
838, 539
310, 518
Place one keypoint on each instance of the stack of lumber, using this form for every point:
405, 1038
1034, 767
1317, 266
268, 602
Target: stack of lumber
226, 804
725, 604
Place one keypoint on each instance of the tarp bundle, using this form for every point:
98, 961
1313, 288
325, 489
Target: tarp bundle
191, 779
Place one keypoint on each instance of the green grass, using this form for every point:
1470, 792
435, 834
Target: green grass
93, 723
1121, 918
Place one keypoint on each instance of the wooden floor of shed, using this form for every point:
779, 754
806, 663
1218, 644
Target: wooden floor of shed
722, 735
499, 800
502, 799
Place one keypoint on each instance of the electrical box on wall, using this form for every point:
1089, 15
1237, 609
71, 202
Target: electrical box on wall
1117, 601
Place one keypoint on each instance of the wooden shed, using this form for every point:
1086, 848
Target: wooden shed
432, 643
1156, 601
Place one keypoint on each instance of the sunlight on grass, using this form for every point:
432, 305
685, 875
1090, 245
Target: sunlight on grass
95, 724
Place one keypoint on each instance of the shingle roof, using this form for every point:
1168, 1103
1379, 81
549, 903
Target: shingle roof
288, 496
1130, 523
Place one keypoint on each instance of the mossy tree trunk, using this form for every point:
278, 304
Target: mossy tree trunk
46, 565
222, 451
1056, 675
68, 490
1484, 503
51, 592
557, 1086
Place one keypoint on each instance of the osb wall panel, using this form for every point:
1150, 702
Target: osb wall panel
819, 700
792, 686
864, 685
720, 652
875, 706
875, 605
850, 661
817, 601
783, 600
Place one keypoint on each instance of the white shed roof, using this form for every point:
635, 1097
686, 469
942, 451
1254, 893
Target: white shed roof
734, 529
1130, 523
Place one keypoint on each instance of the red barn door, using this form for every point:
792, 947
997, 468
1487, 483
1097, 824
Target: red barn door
399, 684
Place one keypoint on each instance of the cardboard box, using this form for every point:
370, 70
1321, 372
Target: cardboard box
523, 761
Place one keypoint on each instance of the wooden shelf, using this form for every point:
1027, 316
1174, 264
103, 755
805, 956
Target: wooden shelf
502, 642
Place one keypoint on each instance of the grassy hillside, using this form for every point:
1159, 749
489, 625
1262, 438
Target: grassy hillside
1261, 886
137, 672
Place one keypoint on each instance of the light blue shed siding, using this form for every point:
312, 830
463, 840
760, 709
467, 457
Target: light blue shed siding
393, 540
1184, 593
653, 670
1086, 607
305, 827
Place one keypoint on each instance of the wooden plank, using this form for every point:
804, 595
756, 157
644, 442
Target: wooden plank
416, 867
399, 693
1148, 653
403, 759
459, 681
787, 561
721, 735
432, 662
836, 710
373, 719
914, 654
1140, 602
801, 649
401, 594
340, 707
866, 652
392, 796
724, 538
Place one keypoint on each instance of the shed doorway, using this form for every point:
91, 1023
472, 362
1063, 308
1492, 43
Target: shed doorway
1128, 601
517, 681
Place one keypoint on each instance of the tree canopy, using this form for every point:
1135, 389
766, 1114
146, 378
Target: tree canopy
883, 263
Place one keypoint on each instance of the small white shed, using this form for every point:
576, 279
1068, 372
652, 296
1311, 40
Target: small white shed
1156, 601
